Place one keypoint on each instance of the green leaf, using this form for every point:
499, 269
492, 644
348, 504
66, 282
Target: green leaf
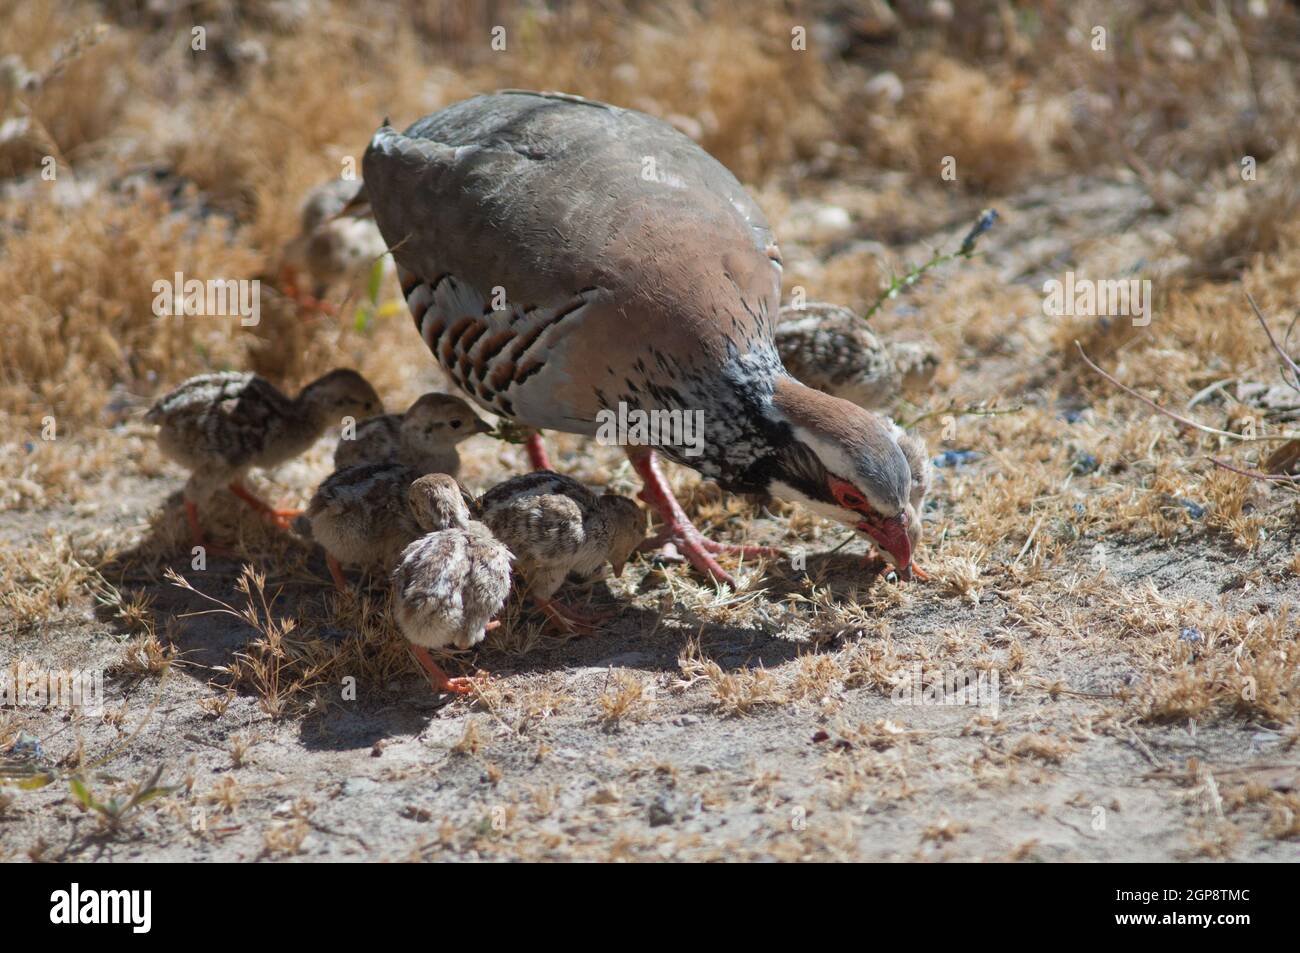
80, 793
376, 280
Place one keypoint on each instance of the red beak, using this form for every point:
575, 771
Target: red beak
891, 536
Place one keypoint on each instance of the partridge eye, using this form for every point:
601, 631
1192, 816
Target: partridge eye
455, 425
846, 495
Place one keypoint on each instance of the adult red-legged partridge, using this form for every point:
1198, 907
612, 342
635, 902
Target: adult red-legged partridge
562, 256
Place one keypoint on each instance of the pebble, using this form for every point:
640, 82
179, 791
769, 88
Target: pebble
955, 458
659, 813
1084, 464
830, 223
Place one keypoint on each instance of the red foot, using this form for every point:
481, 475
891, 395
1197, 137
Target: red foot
570, 619
537, 452
289, 287
678, 529
440, 680
280, 517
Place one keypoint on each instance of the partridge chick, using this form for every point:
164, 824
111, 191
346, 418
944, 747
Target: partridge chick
332, 249
554, 526
451, 582
425, 437
219, 426
830, 348
361, 516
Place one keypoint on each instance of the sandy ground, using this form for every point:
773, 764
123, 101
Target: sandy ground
538, 773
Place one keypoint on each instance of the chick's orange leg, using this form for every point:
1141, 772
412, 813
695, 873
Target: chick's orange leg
678, 528
336, 573
196, 529
292, 289
441, 681
280, 517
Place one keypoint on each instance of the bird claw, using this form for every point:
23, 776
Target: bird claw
461, 685
685, 541
679, 531
570, 619
440, 680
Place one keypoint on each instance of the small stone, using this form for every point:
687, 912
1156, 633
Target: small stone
955, 458
830, 223
1084, 464
885, 86
659, 813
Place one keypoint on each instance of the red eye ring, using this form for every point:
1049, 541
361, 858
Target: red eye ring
847, 495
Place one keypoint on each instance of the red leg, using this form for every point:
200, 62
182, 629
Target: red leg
291, 289
678, 528
537, 452
336, 572
196, 529
278, 516
440, 680
197, 534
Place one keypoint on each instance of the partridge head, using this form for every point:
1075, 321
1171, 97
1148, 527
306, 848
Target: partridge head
338, 394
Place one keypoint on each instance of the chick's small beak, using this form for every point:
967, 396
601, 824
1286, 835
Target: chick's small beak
618, 569
483, 426
891, 536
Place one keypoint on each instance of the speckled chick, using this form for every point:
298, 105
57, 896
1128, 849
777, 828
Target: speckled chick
555, 525
450, 582
335, 249
361, 516
219, 426
425, 437
830, 348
